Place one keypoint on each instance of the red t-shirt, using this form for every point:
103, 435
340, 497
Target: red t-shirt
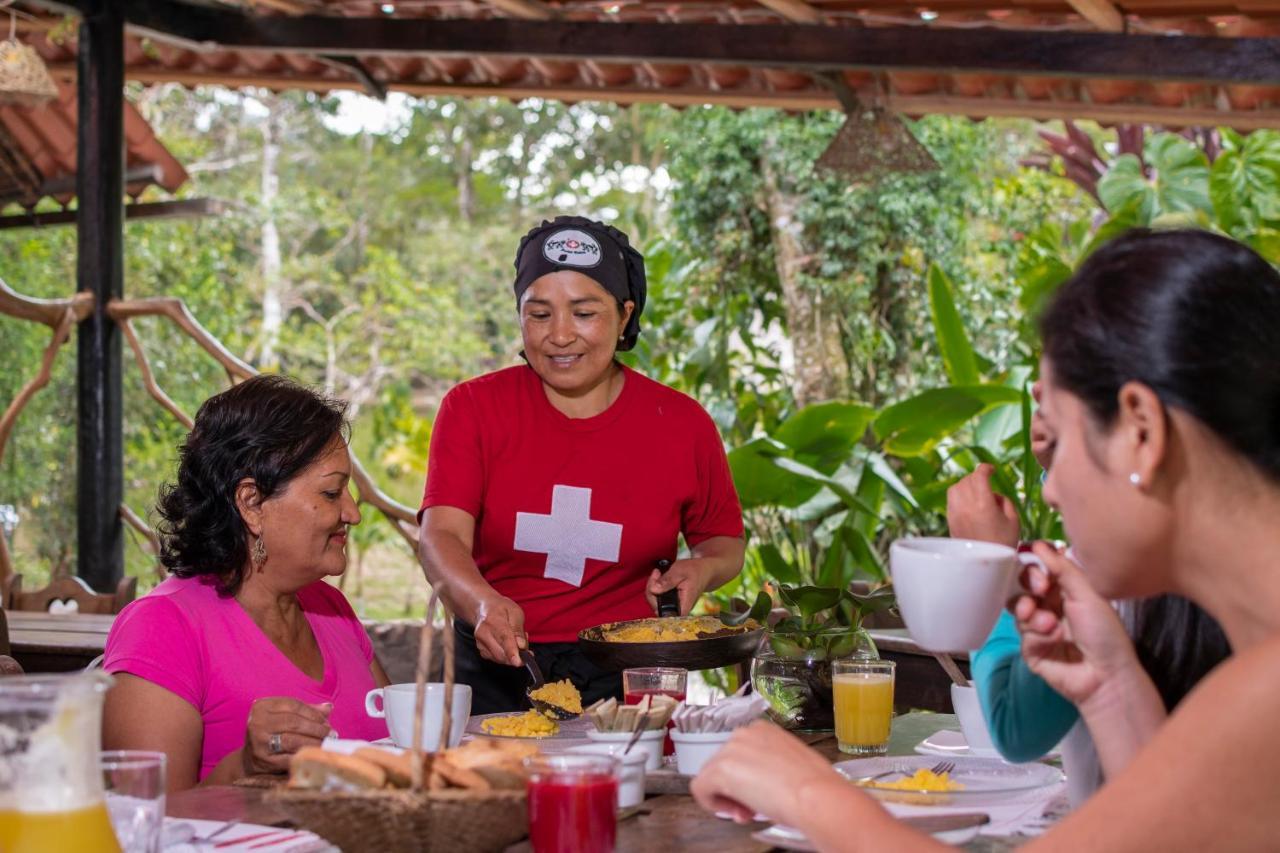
571, 514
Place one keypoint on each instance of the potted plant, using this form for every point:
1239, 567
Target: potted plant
819, 625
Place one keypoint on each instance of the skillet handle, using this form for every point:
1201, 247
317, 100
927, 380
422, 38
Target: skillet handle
669, 601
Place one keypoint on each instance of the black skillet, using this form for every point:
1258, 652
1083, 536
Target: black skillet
727, 649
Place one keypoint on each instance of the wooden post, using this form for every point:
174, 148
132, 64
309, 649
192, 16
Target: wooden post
100, 270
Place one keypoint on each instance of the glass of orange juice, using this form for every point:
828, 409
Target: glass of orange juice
863, 692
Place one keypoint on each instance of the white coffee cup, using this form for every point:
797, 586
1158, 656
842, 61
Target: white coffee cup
951, 591
964, 700
397, 707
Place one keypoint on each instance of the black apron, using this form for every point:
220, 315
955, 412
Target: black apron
498, 687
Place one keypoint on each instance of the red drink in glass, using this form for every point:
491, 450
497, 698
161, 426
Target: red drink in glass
573, 804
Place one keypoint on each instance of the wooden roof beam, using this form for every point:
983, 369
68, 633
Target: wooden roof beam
809, 48
527, 10
797, 11
1103, 14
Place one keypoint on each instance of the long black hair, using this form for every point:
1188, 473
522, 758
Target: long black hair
1177, 644
1192, 315
268, 429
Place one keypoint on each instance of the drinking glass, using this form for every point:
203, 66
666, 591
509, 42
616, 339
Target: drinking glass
863, 692
573, 803
655, 681
134, 783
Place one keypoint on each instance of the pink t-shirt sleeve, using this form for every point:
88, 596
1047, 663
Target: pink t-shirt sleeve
455, 463
152, 639
715, 510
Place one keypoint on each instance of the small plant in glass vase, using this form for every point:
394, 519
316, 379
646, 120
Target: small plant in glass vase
793, 670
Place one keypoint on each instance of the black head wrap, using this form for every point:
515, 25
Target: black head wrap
598, 251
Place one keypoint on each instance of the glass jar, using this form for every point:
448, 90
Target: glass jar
792, 671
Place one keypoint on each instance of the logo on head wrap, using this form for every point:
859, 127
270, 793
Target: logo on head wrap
572, 248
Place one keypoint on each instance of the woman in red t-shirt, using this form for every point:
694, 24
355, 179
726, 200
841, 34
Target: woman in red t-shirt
554, 486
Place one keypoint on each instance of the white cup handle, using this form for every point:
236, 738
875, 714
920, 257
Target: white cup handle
371, 707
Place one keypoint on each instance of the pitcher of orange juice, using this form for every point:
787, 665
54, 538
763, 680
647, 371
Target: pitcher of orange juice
51, 794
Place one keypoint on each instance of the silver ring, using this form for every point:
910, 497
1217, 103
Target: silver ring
273, 744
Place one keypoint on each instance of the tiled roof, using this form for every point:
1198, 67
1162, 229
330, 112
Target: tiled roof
38, 153
153, 59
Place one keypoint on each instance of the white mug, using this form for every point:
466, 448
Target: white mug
964, 701
397, 707
951, 591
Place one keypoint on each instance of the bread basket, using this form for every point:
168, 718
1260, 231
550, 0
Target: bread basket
415, 820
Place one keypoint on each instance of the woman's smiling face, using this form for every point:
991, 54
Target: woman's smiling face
570, 326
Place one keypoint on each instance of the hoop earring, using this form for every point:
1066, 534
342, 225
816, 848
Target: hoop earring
258, 554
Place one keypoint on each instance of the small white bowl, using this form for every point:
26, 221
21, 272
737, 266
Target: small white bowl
694, 749
630, 773
650, 742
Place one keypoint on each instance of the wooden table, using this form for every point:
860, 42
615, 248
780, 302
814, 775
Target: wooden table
43, 642
660, 822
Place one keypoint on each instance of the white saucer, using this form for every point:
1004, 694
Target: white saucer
948, 743
787, 838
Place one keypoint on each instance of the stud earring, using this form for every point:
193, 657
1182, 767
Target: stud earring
1135, 479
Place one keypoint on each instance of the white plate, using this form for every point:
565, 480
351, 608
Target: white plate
787, 838
986, 781
572, 732
948, 743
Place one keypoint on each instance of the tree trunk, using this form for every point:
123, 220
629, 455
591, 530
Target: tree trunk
272, 303
466, 189
820, 370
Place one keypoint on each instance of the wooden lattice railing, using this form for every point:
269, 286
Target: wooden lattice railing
62, 315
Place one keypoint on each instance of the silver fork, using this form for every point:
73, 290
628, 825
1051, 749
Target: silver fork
939, 768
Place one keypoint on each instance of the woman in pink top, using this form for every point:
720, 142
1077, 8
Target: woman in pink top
246, 655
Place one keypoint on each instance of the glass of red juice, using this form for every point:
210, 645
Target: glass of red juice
655, 681
573, 803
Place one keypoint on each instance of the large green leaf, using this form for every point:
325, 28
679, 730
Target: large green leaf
776, 565
1245, 180
1179, 180
760, 482
811, 600
917, 424
825, 433
958, 358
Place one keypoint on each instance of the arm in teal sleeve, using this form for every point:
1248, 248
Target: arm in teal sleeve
1026, 716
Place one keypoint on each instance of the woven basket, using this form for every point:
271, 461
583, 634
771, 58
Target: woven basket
414, 820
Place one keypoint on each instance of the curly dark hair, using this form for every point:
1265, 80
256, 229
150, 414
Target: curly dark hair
268, 429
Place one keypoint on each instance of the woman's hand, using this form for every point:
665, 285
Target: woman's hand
296, 723
1071, 636
762, 769
975, 511
500, 630
691, 577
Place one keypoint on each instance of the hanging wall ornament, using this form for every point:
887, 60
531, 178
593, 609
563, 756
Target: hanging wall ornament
24, 78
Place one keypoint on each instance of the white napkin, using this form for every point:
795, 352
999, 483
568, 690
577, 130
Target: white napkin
1015, 815
727, 714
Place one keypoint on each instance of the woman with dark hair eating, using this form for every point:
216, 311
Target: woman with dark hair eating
1161, 401
555, 486
246, 655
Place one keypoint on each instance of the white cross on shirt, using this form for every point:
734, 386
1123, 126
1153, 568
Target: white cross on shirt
568, 536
